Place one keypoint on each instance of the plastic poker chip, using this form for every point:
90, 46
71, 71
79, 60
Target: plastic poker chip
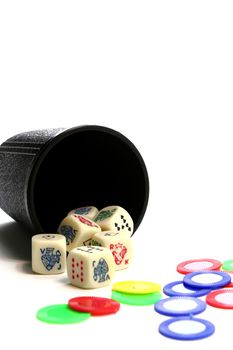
230, 285
207, 279
227, 265
186, 328
177, 289
180, 306
61, 314
198, 265
136, 287
136, 299
96, 306
222, 299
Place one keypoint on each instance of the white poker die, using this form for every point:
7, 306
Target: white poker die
120, 245
48, 254
90, 267
115, 218
89, 212
78, 230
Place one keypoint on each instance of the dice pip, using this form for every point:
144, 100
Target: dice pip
78, 230
90, 267
119, 244
48, 254
115, 218
89, 212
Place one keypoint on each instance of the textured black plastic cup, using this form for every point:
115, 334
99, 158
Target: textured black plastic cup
46, 173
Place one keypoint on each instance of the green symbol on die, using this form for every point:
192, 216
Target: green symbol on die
105, 214
94, 242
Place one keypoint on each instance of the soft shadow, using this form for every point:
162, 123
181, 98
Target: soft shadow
25, 267
15, 241
63, 280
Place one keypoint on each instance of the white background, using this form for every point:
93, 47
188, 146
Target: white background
161, 73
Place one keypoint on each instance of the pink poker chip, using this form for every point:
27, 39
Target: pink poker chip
198, 265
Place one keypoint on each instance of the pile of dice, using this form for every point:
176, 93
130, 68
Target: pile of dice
97, 244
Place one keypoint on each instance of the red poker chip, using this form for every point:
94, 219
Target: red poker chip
96, 306
198, 265
222, 299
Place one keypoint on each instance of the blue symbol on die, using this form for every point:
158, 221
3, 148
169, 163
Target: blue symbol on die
50, 259
82, 211
101, 271
69, 233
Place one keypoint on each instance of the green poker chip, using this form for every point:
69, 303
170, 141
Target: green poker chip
61, 314
136, 299
227, 265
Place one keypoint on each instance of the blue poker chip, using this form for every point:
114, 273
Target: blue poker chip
177, 289
186, 328
206, 279
180, 306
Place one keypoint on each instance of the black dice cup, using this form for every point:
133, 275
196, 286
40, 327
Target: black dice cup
46, 173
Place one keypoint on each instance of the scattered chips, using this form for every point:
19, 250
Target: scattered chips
186, 328
222, 299
136, 299
206, 279
180, 306
61, 314
177, 289
202, 276
96, 306
136, 287
198, 265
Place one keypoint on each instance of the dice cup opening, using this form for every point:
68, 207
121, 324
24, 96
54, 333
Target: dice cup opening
89, 165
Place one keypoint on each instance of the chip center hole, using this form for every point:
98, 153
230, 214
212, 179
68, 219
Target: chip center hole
180, 288
198, 265
187, 327
180, 304
225, 298
207, 278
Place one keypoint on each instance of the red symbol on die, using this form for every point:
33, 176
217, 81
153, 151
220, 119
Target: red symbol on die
118, 252
85, 221
77, 270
